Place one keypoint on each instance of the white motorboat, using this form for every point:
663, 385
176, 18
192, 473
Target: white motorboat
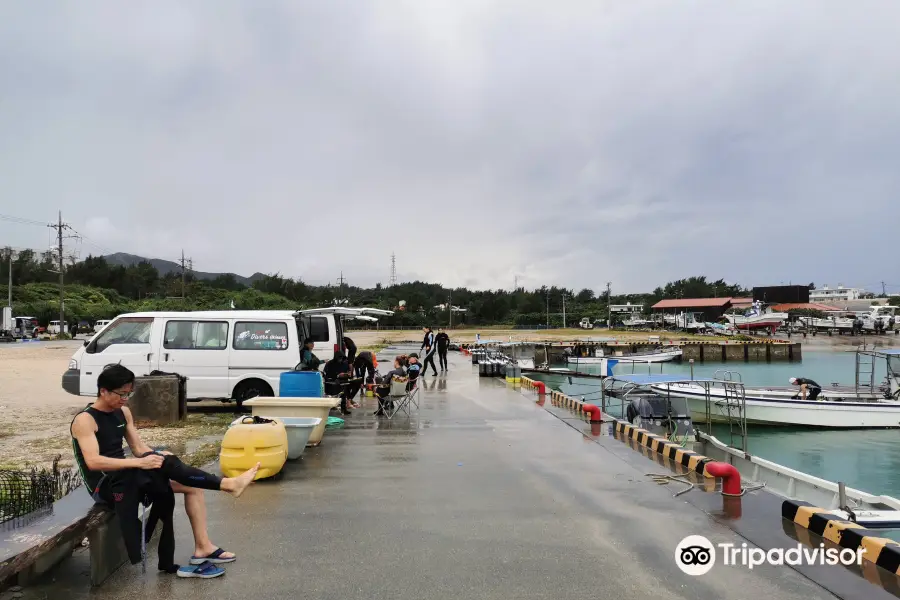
657, 356
636, 320
689, 321
756, 318
773, 406
862, 406
834, 323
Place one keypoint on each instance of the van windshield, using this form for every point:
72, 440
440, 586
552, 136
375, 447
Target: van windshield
123, 331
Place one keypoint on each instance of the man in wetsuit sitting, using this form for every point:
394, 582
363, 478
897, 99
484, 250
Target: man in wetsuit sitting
112, 478
807, 387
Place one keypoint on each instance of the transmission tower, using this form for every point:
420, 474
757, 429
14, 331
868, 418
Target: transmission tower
393, 269
187, 264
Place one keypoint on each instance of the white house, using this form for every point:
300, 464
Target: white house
838, 294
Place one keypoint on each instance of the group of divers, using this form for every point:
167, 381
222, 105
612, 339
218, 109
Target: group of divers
152, 477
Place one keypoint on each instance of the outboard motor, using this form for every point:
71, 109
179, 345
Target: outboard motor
661, 416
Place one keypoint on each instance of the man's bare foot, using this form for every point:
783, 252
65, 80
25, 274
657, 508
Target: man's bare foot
236, 485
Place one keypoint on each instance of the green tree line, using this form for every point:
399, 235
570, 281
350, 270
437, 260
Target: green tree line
96, 290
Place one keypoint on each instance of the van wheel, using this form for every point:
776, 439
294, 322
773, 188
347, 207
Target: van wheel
250, 388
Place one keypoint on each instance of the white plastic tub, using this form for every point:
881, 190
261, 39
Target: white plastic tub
315, 408
298, 431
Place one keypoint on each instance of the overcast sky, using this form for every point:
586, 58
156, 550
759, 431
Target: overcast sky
569, 143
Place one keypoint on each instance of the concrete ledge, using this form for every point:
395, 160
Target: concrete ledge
883, 552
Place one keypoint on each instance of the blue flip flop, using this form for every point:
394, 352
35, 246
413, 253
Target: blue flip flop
207, 570
215, 558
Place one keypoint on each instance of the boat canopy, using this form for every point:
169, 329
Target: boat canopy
888, 352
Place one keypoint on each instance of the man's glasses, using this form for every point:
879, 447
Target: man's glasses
123, 395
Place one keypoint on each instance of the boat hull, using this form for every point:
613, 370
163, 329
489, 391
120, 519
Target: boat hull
827, 413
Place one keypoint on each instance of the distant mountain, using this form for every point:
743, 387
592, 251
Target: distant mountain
167, 266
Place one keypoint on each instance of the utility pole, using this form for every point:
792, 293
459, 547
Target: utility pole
450, 304
608, 305
883, 289
9, 256
564, 308
60, 228
548, 308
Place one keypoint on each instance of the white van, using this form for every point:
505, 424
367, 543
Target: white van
53, 328
227, 354
100, 325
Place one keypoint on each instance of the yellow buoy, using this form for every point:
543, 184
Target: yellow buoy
251, 440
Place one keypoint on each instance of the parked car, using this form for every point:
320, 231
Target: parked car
225, 355
25, 327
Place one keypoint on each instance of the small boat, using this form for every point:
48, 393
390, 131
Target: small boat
864, 405
689, 321
756, 318
772, 406
657, 356
878, 314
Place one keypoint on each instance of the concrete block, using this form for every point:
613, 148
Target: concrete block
157, 400
107, 551
779, 352
735, 352
757, 352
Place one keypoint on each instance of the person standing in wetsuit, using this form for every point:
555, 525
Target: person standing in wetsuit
349, 349
98, 433
430, 347
443, 344
364, 365
808, 387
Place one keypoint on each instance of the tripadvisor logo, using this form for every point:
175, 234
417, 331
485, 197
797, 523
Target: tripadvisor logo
695, 555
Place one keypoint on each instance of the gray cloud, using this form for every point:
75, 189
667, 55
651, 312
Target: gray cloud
573, 144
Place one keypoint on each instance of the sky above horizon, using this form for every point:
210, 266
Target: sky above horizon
570, 144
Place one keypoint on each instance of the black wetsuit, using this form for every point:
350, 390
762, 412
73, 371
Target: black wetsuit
430, 347
345, 387
125, 490
365, 366
813, 389
350, 349
443, 344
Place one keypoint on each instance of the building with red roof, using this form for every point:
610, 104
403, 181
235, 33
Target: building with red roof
711, 308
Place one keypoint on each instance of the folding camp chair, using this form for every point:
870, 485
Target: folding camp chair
403, 395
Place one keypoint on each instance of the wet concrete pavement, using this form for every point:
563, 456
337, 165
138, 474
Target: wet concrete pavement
480, 494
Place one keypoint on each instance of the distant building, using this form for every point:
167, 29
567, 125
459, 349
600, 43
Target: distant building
626, 308
838, 294
711, 308
782, 294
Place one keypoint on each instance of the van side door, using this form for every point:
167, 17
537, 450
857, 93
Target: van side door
322, 331
262, 350
197, 349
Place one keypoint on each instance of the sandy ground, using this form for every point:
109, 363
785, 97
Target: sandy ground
37, 412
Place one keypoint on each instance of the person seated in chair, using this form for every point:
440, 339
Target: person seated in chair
339, 381
413, 369
308, 360
383, 387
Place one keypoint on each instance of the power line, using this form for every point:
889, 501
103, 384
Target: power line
22, 221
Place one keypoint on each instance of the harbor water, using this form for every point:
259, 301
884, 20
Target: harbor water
868, 460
